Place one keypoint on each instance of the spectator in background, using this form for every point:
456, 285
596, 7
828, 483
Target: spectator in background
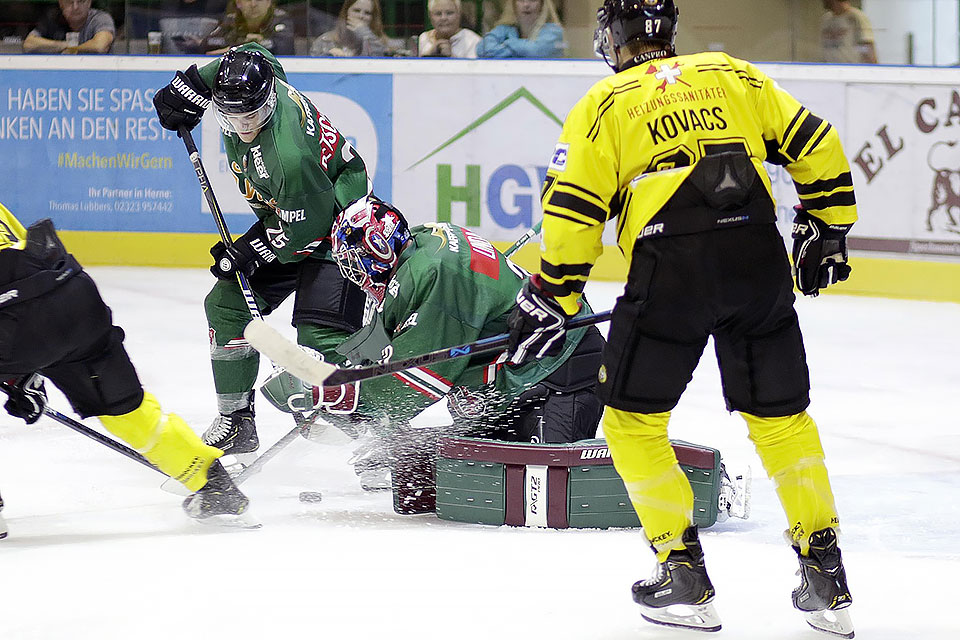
846, 34
259, 21
447, 39
95, 28
526, 29
359, 32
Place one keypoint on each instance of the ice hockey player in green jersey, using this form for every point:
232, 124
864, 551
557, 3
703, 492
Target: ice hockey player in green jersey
439, 285
297, 172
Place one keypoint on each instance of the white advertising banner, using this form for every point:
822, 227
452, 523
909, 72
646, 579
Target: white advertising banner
474, 149
903, 142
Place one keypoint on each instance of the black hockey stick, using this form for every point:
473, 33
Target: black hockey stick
218, 217
268, 341
81, 428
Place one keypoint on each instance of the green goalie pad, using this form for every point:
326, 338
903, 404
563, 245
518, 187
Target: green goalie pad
555, 485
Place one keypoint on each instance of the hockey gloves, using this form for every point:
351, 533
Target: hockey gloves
182, 102
27, 397
291, 395
245, 255
819, 252
537, 324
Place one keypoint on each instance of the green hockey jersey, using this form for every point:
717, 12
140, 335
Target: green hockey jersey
298, 173
452, 287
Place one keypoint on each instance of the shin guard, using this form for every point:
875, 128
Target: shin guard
166, 441
658, 488
792, 455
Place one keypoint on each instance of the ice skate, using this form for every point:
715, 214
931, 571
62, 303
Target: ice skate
371, 464
823, 596
734, 498
219, 499
236, 435
680, 594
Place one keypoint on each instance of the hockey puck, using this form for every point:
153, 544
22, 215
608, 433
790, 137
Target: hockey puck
311, 496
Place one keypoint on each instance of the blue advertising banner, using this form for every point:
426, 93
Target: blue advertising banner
84, 148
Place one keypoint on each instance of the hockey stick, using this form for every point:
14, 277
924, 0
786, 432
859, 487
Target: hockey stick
271, 343
524, 239
83, 429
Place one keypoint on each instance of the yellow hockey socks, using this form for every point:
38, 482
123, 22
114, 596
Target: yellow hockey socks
792, 455
657, 486
166, 441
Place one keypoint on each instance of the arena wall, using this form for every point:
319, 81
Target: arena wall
455, 140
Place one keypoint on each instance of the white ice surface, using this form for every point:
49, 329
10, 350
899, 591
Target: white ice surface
96, 550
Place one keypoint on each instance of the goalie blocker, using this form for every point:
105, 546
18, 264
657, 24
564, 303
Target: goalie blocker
556, 485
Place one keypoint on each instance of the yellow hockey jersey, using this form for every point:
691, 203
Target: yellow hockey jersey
12, 233
630, 145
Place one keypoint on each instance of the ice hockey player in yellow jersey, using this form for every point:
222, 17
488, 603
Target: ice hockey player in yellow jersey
671, 149
54, 324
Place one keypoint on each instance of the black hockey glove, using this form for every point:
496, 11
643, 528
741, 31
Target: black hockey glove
245, 255
183, 101
819, 253
27, 397
537, 324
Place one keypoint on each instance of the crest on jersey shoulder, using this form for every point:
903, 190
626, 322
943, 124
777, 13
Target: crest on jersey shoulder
559, 160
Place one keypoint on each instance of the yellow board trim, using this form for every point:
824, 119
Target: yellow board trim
140, 249
884, 277
881, 277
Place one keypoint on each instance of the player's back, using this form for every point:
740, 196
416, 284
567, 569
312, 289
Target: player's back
657, 120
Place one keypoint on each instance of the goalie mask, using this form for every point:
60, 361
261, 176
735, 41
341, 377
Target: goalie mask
368, 237
244, 92
621, 22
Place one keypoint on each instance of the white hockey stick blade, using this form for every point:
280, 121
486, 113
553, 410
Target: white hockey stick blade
286, 353
836, 622
694, 617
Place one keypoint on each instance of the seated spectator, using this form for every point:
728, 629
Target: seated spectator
359, 32
95, 27
526, 29
259, 21
447, 39
846, 34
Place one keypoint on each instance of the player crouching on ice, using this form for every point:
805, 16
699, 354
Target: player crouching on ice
55, 324
436, 286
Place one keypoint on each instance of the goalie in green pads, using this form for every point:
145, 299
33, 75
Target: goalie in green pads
440, 285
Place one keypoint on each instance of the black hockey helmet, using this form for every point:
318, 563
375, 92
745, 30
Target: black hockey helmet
244, 92
620, 22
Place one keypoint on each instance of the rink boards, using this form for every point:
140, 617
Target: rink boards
456, 140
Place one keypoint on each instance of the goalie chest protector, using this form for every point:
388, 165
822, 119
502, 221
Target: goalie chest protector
555, 485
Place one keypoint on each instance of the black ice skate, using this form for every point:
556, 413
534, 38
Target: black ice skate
236, 435
219, 497
823, 595
680, 594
